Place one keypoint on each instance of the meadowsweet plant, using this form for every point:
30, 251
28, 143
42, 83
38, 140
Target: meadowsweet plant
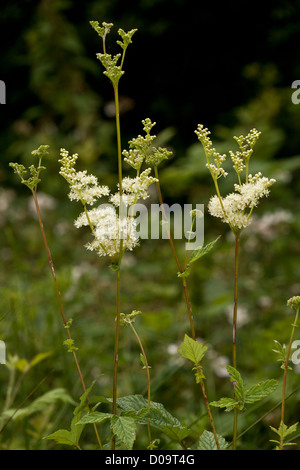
234, 209
30, 177
284, 353
110, 216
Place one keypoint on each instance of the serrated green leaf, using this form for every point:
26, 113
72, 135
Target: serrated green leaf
238, 385
62, 436
199, 252
225, 402
83, 399
124, 428
261, 390
207, 441
158, 416
283, 431
65, 437
95, 417
192, 350
136, 415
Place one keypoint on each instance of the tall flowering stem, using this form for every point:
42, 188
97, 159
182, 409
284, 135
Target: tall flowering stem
294, 303
32, 183
234, 327
236, 208
114, 72
128, 320
188, 304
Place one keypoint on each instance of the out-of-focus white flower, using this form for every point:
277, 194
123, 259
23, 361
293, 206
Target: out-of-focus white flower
267, 226
45, 201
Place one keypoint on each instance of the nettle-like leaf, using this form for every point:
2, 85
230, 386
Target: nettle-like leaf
136, 407
227, 403
261, 390
282, 353
238, 385
283, 432
124, 428
95, 417
194, 351
199, 252
196, 254
207, 442
70, 438
244, 395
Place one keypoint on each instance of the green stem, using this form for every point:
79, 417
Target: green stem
286, 365
60, 301
117, 332
188, 304
119, 145
234, 323
148, 376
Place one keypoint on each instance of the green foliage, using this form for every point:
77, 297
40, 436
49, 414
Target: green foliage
134, 410
282, 352
40, 404
207, 442
68, 437
199, 252
33, 180
194, 351
283, 432
64, 99
244, 395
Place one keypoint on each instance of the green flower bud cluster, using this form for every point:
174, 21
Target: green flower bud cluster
33, 180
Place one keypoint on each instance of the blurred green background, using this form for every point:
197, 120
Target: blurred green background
229, 66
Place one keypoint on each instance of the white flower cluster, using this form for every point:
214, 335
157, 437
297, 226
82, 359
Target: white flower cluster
114, 231
134, 189
233, 210
236, 208
84, 187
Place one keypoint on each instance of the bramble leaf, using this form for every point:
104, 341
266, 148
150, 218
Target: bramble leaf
124, 428
207, 442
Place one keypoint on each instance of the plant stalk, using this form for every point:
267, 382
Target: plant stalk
286, 366
117, 333
234, 327
148, 376
60, 302
188, 304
